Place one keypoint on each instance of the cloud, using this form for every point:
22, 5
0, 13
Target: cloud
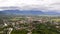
44, 5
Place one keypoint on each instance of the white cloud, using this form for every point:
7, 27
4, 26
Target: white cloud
32, 4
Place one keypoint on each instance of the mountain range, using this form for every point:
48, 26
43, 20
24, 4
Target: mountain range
27, 12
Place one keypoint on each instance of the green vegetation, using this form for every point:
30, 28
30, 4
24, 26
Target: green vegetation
19, 31
39, 29
43, 29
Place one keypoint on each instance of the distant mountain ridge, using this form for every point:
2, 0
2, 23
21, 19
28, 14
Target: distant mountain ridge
27, 12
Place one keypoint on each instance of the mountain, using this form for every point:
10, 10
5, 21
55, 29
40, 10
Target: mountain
52, 13
18, 12
27, 12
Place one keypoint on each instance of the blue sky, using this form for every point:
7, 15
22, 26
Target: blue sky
44, 5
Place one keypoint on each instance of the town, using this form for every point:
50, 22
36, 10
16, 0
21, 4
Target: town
29, 24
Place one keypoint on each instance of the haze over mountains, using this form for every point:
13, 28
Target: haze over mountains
52, 6
27, 12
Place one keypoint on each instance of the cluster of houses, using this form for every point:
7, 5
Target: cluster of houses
28, 20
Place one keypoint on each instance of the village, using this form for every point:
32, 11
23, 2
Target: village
28, 25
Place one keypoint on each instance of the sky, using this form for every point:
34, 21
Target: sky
44, 5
